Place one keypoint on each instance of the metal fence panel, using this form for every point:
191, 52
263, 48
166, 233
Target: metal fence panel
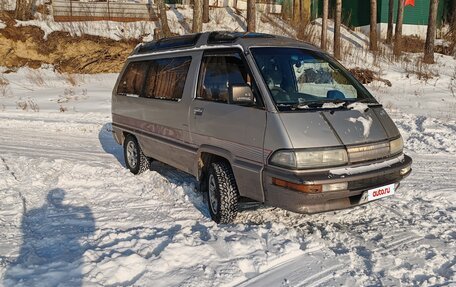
90, 11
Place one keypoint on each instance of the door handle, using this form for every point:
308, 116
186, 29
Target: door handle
198, 111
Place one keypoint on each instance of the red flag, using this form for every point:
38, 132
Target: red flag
410, 2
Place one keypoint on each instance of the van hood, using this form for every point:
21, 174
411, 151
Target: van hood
329, 128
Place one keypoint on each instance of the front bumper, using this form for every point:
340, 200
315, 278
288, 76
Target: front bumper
358, 182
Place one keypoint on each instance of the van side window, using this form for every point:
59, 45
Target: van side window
219, 72
166, 78
132, 80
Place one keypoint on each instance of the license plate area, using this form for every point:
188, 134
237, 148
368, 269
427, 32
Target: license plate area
377, 193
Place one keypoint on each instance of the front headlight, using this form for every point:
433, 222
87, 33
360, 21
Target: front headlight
396, 146
305, 159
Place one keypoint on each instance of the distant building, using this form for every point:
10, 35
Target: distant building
356, 14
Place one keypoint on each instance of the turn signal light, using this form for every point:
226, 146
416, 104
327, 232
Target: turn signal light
309, 188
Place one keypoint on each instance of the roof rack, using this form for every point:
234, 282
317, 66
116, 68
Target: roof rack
169, 43
221, 37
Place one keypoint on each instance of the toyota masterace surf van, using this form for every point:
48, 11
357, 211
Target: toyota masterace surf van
259, 117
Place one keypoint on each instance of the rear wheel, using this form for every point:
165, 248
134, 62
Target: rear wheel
222, 193
135, 159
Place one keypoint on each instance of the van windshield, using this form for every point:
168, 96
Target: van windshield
300, 79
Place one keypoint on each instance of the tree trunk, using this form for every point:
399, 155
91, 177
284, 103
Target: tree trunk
398, 33
305, 11
430, 37
337, 24
163, 18
453, 30
389, 34
251, 16
324, 25
24, 10
206, 11
197, 16
296, 11
373, 26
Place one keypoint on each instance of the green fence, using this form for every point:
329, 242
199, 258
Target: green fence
356, 13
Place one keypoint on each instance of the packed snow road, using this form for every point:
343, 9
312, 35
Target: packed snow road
72, 215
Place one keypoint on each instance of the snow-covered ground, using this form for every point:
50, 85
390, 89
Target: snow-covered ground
72, 215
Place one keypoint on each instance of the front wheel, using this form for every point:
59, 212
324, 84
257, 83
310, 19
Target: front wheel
222, 193
135, 160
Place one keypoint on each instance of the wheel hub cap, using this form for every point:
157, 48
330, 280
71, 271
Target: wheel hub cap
212, 197
132, 154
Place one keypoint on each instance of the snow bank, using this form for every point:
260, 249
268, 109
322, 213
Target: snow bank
179, 20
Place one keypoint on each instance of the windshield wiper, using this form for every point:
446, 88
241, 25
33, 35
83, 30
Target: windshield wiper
323, 104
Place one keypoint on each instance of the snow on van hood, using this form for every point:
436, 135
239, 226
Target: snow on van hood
333, 127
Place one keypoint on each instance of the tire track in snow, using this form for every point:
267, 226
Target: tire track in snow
294, 272
55, 153
21, 196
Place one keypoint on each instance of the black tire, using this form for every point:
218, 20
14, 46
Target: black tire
223, 200
135, 160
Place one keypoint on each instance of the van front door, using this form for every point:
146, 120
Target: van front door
222, 126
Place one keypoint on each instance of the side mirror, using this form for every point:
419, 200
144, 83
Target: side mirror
241, 94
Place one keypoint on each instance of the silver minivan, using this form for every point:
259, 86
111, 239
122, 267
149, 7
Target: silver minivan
256, 117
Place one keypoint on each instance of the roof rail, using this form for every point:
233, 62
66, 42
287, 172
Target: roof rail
221, 37
169, 43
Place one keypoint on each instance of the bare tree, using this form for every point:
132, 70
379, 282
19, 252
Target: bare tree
373, 26
251, 16
197, 16
296, 11
389, 33
165, 31
206, 11
452, 32
337, 24
430, 37
324, 25
305, 11
24, 9
398, 33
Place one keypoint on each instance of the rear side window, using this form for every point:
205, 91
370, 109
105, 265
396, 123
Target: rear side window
166, 78
133, 79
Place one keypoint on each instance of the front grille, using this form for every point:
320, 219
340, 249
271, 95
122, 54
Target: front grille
374, 181
368, 152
